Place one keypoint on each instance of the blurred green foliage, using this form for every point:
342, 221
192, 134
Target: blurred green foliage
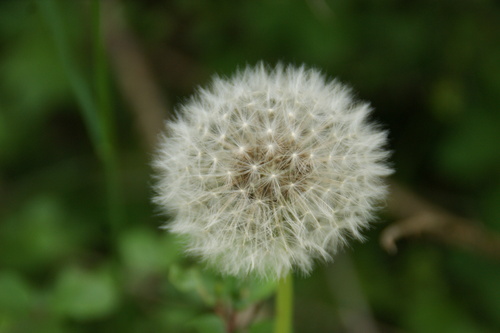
430, 68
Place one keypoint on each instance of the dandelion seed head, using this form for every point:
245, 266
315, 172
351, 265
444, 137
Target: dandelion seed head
271, 169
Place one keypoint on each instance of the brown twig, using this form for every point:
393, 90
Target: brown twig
237, 321
134, 76
228, 314
416, 216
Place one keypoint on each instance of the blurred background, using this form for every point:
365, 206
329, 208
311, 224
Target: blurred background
85, 86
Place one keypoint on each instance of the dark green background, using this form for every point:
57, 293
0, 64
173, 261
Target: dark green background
80, 247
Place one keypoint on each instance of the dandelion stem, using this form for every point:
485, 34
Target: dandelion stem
284, 305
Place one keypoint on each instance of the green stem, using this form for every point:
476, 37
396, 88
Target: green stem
105, 116
284, 305
95, 104
53, 17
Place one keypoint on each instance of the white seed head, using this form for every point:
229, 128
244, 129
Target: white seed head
271, 169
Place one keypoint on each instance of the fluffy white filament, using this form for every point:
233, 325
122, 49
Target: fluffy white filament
270, 169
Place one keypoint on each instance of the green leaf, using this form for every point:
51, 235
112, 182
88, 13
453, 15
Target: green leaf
31, 71
84, 295
174, 318
38, 233
254, 291
16, 296
209, 323
264, 326
193, 280
144, 251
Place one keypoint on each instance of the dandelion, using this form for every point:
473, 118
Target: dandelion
269, 170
